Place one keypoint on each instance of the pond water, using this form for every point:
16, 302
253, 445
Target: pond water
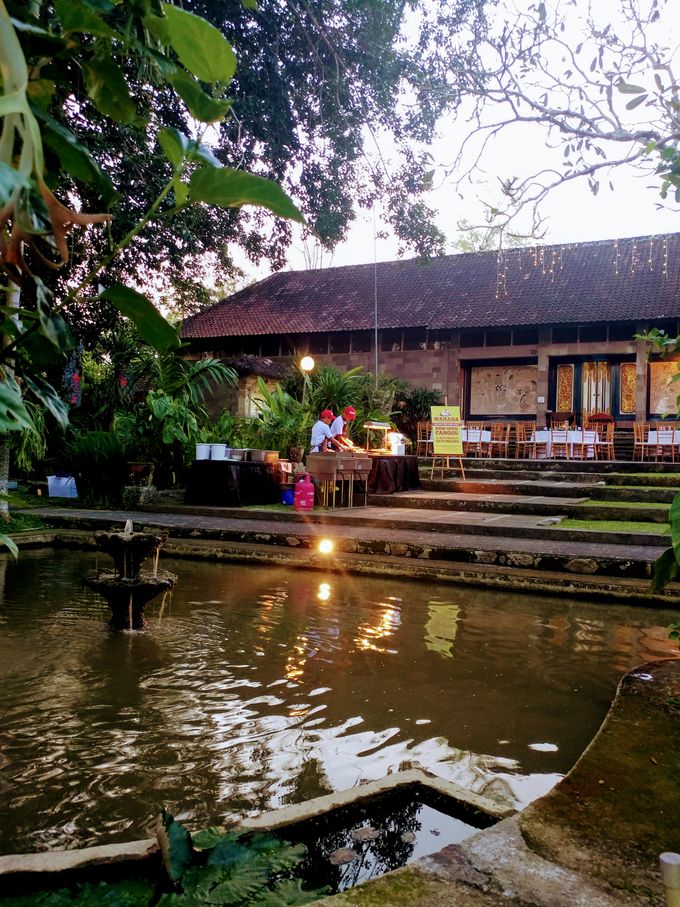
259, 686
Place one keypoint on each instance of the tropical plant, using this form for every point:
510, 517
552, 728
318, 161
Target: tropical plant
285, 421
210, 867
164, 428
216, 867
413, 407
330, 388
98, 461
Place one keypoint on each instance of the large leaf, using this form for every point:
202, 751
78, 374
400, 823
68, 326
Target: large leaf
201, 48
49, 398
13, 414
175, 844
198, 103
10, 544
108, 90
77, 17
231, 188
10, 180
666, 570
76, 159
151, 325
174, 143
674, 520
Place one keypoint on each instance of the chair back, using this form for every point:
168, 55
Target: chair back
423, 431
500, 431
524, 430
561, 419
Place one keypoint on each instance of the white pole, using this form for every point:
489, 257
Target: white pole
670, 876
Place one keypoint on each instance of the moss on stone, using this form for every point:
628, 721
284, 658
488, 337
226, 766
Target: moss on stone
618, 808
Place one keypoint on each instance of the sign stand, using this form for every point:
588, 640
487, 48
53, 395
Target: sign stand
447, 441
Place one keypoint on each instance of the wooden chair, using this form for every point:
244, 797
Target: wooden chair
604, 445
423, 439
500, 439
561, 420
587, 448
666, 437
641, 444
473, 446
526, 445
559, 444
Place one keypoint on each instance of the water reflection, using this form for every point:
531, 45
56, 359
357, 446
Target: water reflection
261, 687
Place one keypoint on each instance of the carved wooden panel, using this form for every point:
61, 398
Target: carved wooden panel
662, 393
628, 388
503, 390
565, 389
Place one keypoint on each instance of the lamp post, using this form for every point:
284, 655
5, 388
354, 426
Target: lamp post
306, 365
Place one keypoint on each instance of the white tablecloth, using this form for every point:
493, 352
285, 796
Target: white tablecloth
664, 437
574, 440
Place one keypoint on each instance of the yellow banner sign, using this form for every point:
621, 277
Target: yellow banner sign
446, 431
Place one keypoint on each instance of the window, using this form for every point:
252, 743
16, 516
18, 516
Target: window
250, 346
414, 339
362, 341
565, 333
318, 344
271, 345
391, 341
472, 338
340, 343
439, 340
525, 336
623, 331
499, 337
592, 333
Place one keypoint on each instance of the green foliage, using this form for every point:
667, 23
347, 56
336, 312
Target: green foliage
284, 422
329, 388
98, 461
118, 50
29, 447
414, 406
164, 428
667, 566
127, 893
230, 868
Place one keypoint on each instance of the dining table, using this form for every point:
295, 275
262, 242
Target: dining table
543, 437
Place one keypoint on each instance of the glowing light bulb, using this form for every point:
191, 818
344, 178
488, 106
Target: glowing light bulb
306, 363
325, 546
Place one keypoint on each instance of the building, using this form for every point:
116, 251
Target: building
507, 335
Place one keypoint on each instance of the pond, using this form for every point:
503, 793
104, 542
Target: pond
259, 686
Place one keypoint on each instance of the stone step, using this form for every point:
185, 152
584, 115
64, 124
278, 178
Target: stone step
522, 504
561, 467
552, 555
597, 489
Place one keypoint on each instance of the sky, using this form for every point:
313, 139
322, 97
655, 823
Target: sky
571, 213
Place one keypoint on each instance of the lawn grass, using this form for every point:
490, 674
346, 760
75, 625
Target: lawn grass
629, 504
616, 526
21, 522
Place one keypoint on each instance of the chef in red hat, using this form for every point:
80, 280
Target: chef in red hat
339, 428
322, 439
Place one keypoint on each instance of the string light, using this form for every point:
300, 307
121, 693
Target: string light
616, 257
651, 251
665, 258
501, 274
633, 256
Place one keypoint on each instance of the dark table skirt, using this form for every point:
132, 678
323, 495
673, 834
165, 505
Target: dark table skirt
225, 483
390, 474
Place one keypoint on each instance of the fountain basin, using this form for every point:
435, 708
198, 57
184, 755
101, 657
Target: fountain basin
128, 597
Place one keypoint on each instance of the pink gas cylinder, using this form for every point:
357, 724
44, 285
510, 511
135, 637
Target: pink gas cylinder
304, 494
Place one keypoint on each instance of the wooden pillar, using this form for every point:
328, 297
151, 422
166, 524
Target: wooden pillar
641, 373
454, 380
544, 341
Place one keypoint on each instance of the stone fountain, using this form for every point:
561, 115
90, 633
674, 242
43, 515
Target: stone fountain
127, 588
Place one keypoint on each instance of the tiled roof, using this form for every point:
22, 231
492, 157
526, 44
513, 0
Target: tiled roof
612, 280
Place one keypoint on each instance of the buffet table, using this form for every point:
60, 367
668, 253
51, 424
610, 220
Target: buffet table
393, 473
233, 483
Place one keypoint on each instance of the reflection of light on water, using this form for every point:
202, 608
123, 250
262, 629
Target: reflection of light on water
441, 627
296, 661
389, 621
324, 592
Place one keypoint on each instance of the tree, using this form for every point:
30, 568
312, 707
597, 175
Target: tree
599, 81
